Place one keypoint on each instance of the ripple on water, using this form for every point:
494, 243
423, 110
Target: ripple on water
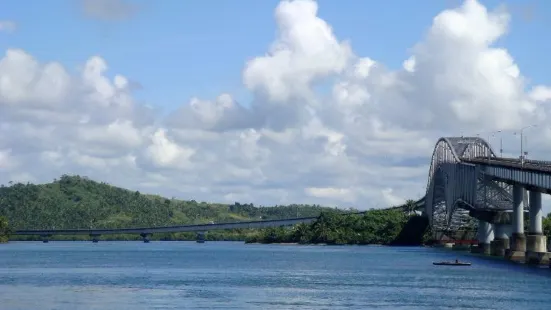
179, 275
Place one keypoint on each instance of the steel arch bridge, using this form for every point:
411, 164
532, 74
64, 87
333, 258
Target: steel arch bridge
455, 187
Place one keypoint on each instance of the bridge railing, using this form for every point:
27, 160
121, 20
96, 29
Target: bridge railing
533, 165
517, 160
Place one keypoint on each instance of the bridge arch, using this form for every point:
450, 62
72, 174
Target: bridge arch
451, 186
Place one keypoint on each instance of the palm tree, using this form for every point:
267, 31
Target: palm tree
410, 206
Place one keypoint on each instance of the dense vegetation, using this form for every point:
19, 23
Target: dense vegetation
373, 227
77, 202
4, 230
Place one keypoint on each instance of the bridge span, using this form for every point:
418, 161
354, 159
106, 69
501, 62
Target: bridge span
145, 232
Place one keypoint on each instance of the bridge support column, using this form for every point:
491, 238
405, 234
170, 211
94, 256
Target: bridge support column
485, 237
536, 241
95, 238
518, 239
201, 236
501, 241
145, 237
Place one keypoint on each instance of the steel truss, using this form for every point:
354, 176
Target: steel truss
454, 188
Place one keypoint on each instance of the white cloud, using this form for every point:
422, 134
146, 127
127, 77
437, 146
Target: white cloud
305, 51
166, 154
7, 162
341, 194
541, 93
364, 141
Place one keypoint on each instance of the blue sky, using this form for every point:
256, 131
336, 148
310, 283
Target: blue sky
180, 49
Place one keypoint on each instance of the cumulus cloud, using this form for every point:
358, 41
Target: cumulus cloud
305, 51
364, 141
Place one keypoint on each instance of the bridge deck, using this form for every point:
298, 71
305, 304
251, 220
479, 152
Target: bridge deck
529, 165
181, 228
169, 229
532, 174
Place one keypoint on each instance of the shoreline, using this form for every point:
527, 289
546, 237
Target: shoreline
239, 241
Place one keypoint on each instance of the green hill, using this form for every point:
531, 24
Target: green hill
77, 202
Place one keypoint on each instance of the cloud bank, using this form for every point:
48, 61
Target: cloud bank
325, 125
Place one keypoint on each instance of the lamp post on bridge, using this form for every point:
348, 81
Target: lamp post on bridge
491, 134
521, 131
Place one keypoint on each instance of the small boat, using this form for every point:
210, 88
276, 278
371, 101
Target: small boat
456, 263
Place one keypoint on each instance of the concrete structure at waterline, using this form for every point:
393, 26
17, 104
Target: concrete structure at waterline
504, 234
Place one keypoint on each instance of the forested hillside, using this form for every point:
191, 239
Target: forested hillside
77, 202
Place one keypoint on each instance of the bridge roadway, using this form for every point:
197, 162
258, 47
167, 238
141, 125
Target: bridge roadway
529, 164
186, 228
168, 229
532, 174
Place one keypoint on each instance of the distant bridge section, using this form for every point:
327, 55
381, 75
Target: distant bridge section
168, 229
145, 232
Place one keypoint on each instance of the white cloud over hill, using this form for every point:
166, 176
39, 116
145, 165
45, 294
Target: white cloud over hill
365, 143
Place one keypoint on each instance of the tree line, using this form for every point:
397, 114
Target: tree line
372, 227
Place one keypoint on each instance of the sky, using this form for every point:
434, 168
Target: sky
269, 102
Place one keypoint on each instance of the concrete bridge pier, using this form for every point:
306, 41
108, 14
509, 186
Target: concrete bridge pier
201, 236
485, 237
145, 237
518, 238
95, 237
536, 241
501, 241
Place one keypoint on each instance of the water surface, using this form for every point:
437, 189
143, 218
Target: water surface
228, 275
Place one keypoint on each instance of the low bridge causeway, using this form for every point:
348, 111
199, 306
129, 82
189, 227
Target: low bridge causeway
146, 232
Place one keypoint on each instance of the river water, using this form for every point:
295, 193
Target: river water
232, 275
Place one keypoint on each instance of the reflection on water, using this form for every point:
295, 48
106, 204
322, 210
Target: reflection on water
227, 275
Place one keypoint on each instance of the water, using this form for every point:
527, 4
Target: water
227, 275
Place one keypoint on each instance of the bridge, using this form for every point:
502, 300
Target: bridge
468, 187
146, 232
201, 229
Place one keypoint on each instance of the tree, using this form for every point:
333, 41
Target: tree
410, 206
4, 230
